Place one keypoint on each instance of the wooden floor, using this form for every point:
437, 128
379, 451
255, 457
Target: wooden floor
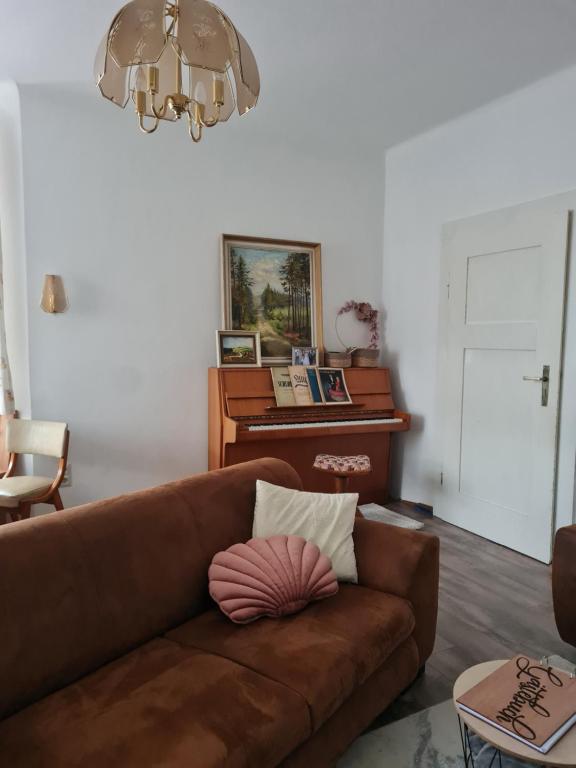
493, 603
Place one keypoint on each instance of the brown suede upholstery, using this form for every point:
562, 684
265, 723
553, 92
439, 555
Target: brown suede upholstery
112, 654
172, 693
564, 583
357, 712
136, 565
324, 653
403, 563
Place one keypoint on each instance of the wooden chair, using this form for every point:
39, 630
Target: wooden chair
4, 455
19, 492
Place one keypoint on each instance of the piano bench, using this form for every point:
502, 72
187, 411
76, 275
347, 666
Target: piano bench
343, 468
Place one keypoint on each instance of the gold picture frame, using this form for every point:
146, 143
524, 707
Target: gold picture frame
238, 349
273, 287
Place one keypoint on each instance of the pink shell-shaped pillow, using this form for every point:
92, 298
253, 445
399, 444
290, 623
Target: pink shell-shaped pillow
270, 577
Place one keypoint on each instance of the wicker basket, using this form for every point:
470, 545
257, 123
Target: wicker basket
337, 359
365, 358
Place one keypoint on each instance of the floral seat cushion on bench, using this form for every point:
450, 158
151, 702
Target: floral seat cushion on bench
342, 463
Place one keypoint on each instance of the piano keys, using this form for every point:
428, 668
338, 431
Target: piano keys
320, 424
245, 423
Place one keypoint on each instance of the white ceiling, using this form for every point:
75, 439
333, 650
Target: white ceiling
375, 70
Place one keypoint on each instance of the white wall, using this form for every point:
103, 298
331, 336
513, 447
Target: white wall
518, 149
132, 223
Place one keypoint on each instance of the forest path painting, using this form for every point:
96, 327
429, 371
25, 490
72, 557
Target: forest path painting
270, 292
272, 342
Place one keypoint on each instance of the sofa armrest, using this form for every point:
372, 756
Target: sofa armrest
564, 583
403, 563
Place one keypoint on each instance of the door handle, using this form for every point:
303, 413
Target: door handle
544, 380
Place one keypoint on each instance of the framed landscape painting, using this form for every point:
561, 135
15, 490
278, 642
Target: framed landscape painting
238, 349
273, 287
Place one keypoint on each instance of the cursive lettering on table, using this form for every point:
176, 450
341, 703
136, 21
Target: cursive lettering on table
532, 688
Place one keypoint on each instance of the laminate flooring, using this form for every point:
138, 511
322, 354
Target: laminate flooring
493, 603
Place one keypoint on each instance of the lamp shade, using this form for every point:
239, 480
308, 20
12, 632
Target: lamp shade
54, 298
176, 58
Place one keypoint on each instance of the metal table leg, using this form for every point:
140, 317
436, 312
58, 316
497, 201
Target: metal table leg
467, 751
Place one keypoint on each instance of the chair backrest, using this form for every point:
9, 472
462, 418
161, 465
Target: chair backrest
41, 438
4, 453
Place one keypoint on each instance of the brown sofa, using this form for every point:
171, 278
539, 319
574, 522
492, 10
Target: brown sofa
564, 583
113, 656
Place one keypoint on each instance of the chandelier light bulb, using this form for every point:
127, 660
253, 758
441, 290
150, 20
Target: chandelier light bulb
177, 59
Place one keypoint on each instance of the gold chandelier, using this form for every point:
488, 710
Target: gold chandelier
177, 58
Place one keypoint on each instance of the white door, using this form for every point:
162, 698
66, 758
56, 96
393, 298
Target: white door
501, 334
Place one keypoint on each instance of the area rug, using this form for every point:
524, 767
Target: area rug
428, 739
384, 515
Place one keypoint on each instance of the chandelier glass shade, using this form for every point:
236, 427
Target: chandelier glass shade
177, 59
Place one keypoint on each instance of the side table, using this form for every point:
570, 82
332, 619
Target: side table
562, 754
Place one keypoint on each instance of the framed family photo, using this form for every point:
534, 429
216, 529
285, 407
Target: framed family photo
305, 356
238, 349
274, 288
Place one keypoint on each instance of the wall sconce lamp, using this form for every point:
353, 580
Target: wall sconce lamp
54, 298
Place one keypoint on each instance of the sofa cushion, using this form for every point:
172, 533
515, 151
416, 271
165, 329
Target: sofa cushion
161, 705
327, 519
323, 653
270, 577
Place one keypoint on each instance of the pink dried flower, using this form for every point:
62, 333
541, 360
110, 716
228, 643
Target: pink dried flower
366, 314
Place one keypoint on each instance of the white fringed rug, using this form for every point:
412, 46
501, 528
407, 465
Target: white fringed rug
385, 515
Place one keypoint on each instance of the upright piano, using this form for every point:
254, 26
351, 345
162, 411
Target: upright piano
245, 423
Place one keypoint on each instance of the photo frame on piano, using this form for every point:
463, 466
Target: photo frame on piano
238, 349
307, 356
273, 287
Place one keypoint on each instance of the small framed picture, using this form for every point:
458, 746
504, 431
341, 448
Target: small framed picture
305, 356
238, 349
333, 386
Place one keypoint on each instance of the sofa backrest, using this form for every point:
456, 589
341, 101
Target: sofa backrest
81, 587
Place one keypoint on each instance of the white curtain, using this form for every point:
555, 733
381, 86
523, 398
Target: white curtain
6, 393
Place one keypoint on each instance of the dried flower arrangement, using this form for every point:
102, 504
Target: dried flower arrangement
366, 314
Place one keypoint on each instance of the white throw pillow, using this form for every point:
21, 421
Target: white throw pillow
327, 519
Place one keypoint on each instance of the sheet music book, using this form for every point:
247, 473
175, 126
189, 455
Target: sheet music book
312, 374
300, 385
282, 384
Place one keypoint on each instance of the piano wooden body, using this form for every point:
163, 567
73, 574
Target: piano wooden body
245, 424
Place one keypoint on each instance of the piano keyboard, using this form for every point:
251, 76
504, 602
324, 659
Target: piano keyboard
321, 424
